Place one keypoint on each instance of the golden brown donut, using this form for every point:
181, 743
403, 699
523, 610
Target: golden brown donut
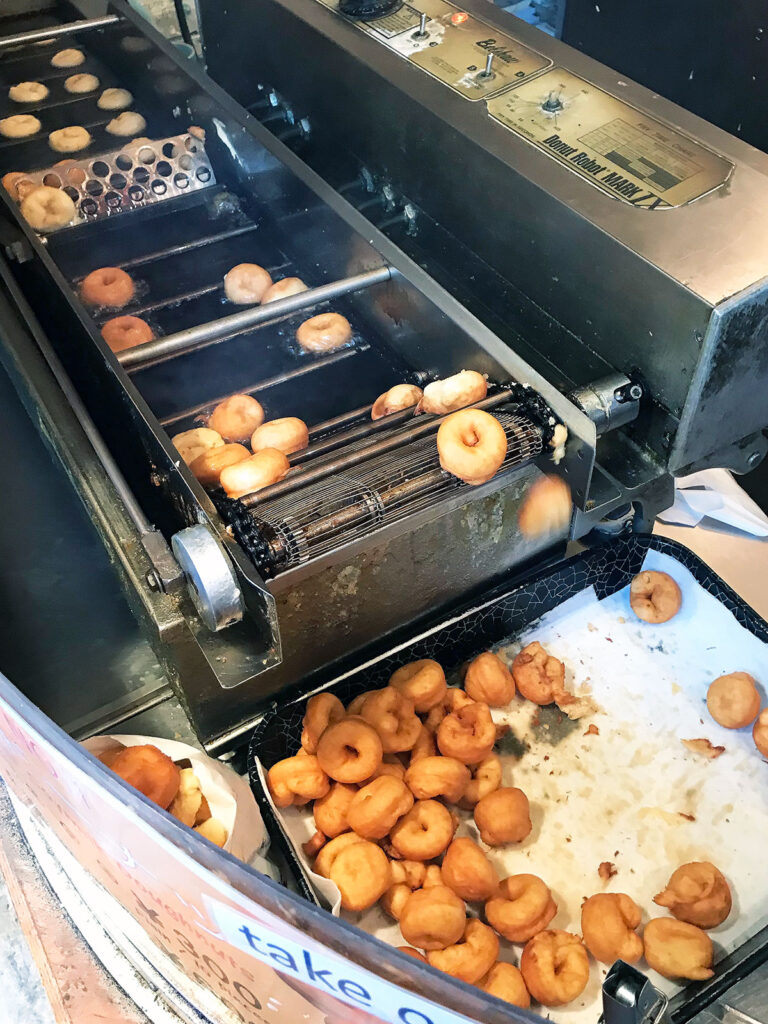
678, 950
330, 811
114, 99
191, 444
429, 777
314, 844
236, 417
424, 832
282, 289
361, 872
433, 918
422, 681
486, 777
81, 83
424, 746
350, 750
410, 951
654, 596
503, 816
288, 434
452, 393
555, 967
408, 872
608, 922
324, 332
328, 854
433, 875
472, 445
539, 676
46, 208
506, 982
150, 771
122, 332
19, 126
323, 709
70, 139
392, 766
489, 680
760, 732
70, 58
521, 907
298, 776
263, 469
471, 957
108, 286
246, 284
393, 900
376, 808
28, 92
467, 734
697, 893
186, 804
401, 396
393, 717
467, 871
355, 706
733, 700
454, 699
208, 466
127, 124
546, 507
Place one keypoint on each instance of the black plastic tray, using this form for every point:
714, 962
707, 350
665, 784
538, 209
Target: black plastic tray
469, 631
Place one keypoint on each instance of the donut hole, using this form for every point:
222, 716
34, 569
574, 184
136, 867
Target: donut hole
123, 162
117, 180
147, 155
94, 188
180, 180
186, 162
141, 175
113, 199
76, 175
203, 174
159, 187
164, 168
99, 169
52, 180
170, 150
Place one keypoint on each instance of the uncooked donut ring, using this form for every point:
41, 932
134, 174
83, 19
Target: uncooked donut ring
393, 717
467, 734
283, 289
467, 871
486, 778
70, 139
127, 124
678, 950
324, 332
47, 208
422, 681
361, 872
489, 681
323, 709
350, 750
555, 967
114, 99
81, 83
20, 126
28, 92
697, 893
330, 811
546, 507
539, 676
246, 284
150, 771
472, 446
109, 287
237, 417
208, 466
733, 700
503, 816
122, 332
433, 918
608, 922
520, 908
288, 434
506, 982
654, 596
430, 777
760, 732
399, 397
456, 392
300, 776
376, 808
424, 832
471, 957
191, 444
263, 469
67, 58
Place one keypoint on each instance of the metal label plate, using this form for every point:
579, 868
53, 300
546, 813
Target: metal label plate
622, 151
454, 47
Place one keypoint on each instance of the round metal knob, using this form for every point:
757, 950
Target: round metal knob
368, 10
552, 103
211, 581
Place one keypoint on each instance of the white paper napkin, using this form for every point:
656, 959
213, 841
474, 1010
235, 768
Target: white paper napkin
714, 494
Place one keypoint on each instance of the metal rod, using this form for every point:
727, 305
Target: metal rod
353, 434
206, 334
300, 477
341, 419
58, 30
177, 250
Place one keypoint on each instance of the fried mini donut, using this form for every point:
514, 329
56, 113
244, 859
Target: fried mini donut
454, 699
410, 951
467, 734
47, 208
391, 766
678, 950
471, 957
424, 746
393, 900
546, 507
208, 466
324, 332
314, 844
429, 777
114, 99
503, 816
19, 126
521, 907
288, 434
282, 289
697, 893
330, 811
608, 922
760, 732
392, 716
127, 124
298, 776
408, 872
81, 83
150, 771
350, 750
654, 596
323, 709
328, 854
539, 676
237, 417
122, 332
506, 982
433, 918
246, 284
433, 875
555, 967
263, 469
422, 681
69, 139
489, 680
28, 92
467, 871
472, 445
188, 799
67, 58
424, 832
361, 871
108, 286
376, 808
451, 393
486, 777
191, 444
355, 706
733, 700
399, 397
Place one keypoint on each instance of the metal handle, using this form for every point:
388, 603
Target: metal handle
630, 998
37, 35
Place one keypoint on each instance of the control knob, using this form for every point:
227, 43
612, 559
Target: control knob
369, 10
552, 103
